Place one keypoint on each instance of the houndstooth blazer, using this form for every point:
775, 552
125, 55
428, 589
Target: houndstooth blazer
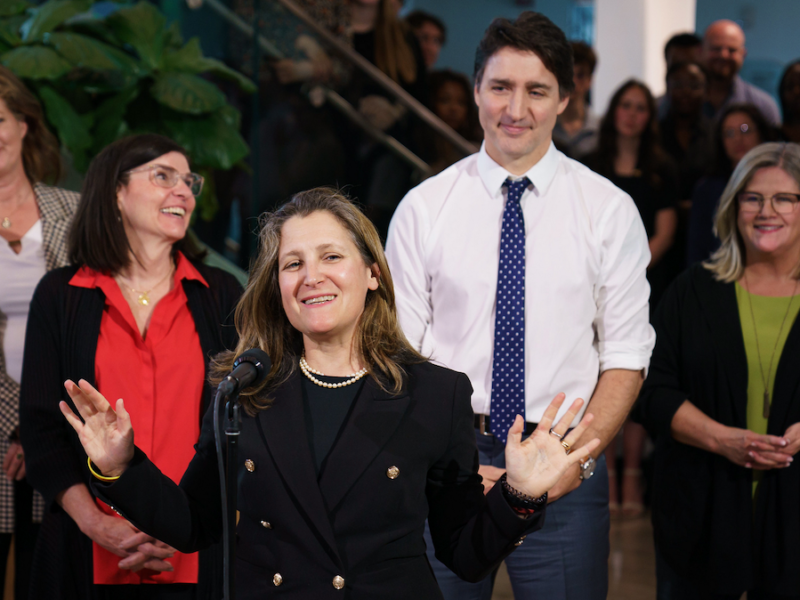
56, 207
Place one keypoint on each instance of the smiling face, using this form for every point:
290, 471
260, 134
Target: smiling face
518, 102
12, 133
723, 49
323, 278
767, 234
632, 113
151, 212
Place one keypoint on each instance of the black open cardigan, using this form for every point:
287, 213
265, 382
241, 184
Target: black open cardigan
60, 344
705, 523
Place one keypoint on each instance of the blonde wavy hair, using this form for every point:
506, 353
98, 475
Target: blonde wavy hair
261, 321
728, 262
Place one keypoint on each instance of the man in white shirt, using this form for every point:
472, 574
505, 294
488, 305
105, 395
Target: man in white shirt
585, 296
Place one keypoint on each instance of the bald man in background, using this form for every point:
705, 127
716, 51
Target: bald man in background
723, 55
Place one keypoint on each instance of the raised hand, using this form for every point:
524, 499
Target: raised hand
535, 465
106, 435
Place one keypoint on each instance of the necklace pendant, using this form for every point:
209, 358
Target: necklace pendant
766, 404
143, 299
6, 223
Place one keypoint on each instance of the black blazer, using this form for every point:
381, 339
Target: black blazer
703, 515
61, 343
354, 521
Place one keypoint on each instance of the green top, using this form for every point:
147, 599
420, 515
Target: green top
769, 315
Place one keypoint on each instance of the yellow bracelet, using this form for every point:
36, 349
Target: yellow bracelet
98, 476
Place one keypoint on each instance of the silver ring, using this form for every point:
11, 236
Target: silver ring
558, 435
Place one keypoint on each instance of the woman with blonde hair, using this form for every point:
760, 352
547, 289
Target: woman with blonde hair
723, 397
351, 442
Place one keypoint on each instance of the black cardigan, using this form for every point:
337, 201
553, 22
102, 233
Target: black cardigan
703, 515
60, 344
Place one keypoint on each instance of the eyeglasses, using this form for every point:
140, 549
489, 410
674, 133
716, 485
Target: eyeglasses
732, 132
753, 202
167, 177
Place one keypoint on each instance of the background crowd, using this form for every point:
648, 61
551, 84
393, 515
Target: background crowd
705, 164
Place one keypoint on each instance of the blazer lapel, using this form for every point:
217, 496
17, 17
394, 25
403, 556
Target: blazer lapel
283, 429
372, 422
718, 302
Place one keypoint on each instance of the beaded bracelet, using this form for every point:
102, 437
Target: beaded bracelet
519, 500
97, 475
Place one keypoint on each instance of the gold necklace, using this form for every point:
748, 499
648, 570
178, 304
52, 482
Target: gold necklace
765, 379
307, 371
6, 223
144, 297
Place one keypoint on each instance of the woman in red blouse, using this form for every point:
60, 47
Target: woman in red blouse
139, 316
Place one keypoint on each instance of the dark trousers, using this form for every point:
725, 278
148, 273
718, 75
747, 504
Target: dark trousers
25, 532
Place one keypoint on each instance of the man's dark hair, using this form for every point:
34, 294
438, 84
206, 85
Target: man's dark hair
529, 32
682, 40
418, 18
97, 238
583, 54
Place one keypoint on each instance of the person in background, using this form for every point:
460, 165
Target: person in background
524, 269
576, 129
630, 156
139, 316
740, 128
451, 101
789, 95
680, 48
722, 398
34, 219
431, 34
723, 55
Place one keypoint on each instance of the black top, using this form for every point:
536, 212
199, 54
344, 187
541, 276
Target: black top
361, 85
706, 523
701, 241
693, 161
326, 411
60, 344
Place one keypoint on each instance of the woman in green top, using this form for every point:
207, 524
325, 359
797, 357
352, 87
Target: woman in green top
722, 398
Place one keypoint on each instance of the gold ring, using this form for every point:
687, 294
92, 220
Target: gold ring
566, 445
558, 435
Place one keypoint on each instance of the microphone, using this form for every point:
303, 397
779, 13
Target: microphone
250, 368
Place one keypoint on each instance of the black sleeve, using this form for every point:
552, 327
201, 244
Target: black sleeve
472, 533
670, 185
662, 394
51, 463
185, 516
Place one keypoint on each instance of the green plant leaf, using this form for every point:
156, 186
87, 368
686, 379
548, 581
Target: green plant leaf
9, 8
35, 62
187, 93
173, 38
9, 29
96, 29
190, 59
141, 26
69, 125
110, 123
53, 13
88, 53
194, 133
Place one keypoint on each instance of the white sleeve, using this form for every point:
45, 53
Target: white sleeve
405, 252
625, 337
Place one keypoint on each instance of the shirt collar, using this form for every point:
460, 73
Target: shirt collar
493, 175
89, 278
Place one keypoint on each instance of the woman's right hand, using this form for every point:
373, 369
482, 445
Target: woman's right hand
106, 434
752, 450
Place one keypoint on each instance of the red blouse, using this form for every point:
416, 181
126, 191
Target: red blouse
161, 378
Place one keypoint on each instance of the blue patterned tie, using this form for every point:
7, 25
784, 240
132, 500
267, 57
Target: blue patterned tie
508, 367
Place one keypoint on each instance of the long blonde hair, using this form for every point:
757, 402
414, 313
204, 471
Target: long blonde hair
393, 55
261, 321
728, 262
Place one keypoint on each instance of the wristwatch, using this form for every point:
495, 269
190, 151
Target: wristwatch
587, 469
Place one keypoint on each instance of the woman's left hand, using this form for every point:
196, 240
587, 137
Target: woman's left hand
792, 435
146, 553
535, 465
14, 462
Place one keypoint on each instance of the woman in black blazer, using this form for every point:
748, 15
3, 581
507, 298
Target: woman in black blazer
723, 398
338, 471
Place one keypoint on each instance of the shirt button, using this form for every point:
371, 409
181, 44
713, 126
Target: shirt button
338, 582
249, 465
392, 472
266, 524
277, 579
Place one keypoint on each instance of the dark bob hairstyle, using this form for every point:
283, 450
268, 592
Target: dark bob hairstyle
97, 238
529, 32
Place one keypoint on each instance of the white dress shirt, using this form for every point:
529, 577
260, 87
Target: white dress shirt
586, 295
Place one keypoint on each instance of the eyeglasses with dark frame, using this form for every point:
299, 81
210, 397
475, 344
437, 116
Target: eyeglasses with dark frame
167, 177
783, 203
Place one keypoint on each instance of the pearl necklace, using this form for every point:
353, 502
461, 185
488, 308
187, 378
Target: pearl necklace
307, 371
